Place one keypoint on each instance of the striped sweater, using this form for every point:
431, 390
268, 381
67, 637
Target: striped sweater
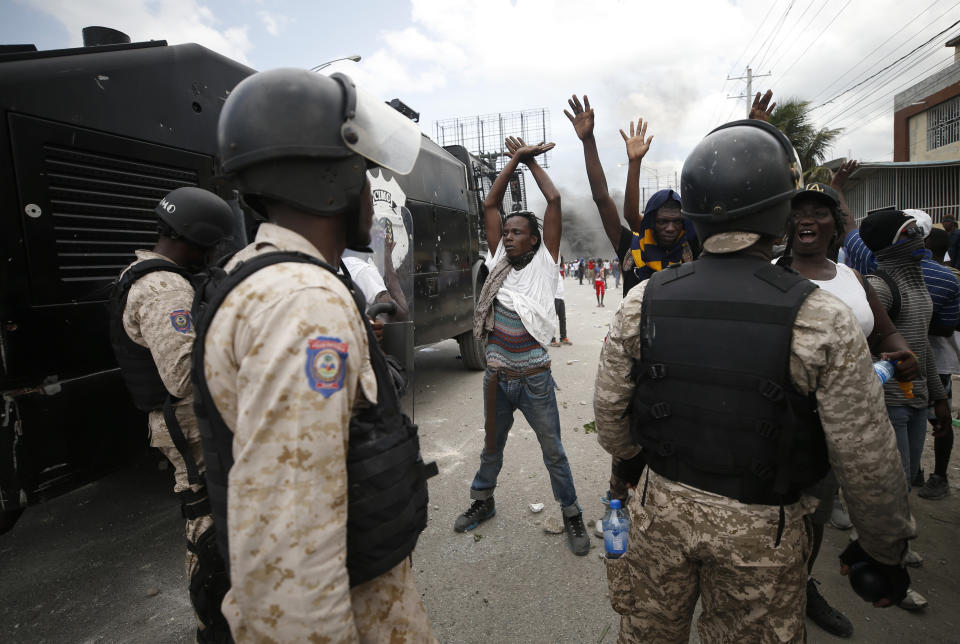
510, 345
915, 311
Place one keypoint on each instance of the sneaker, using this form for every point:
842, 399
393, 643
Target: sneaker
936, 487
913, 601
476, 514
554, 343
839, 518
919, 479
598, 526
824, 615
912, 558
565, 341
577, 537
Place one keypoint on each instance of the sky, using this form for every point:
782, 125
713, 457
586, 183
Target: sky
665, 61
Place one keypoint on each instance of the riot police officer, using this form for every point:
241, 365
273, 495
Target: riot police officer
743, 383
152, 334
293, 394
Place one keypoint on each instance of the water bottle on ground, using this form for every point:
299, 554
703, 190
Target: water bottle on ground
615, 530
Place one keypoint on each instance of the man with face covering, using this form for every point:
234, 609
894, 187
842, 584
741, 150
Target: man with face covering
897, 242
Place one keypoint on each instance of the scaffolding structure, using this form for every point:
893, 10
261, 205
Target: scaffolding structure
483, 137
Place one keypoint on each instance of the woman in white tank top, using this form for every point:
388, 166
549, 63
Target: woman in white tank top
814, 231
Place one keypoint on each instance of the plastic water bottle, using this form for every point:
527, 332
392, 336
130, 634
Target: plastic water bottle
615, 531
884, 370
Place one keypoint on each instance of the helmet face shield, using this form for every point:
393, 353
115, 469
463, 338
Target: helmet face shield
381, 134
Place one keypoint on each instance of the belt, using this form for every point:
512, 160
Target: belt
502, 373
490, 425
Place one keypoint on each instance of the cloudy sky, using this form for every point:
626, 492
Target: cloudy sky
667, 61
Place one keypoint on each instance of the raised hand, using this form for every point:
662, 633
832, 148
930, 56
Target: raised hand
762, 108
842, 174
582, 117
637, 142
517, 149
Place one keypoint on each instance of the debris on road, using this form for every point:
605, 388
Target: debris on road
590, 428
477, 537
536, 507
553, 525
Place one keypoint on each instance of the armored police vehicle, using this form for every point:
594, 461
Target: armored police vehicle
92, 138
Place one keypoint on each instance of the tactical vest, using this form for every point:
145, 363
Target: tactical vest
386, 477
136, 363
714, 405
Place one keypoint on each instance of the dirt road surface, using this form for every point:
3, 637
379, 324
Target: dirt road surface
105, 563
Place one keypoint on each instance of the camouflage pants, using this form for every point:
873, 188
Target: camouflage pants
687, 544
160, 438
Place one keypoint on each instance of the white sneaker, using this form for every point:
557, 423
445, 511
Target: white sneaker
913, 601
839, 518
912, 558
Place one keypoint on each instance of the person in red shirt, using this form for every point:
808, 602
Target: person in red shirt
599, 283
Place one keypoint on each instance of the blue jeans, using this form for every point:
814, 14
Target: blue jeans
535, 398
910, 428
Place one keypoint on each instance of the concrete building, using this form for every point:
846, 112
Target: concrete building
926, 116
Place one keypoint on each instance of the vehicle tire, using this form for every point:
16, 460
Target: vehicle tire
474, 357
8, 518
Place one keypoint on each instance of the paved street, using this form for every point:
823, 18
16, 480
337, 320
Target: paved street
105, 564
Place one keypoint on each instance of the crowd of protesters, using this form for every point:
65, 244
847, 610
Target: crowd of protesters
894, 269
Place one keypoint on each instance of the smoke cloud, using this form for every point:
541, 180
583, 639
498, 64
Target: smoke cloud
583, 234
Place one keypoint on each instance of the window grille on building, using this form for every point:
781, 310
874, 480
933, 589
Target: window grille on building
943, 123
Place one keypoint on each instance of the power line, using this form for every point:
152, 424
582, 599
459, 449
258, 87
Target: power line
891, 76
782, 53
847, 91
858, 63
856, 105
752, 38
888, 74
776, 32
870, 114
772, 31
814, 41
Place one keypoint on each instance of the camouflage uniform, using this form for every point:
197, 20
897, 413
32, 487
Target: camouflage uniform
151, 318
685, 542
287, 492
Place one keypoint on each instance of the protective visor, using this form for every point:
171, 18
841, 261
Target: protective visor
378, 132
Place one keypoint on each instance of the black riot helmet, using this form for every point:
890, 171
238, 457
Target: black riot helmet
741, 178
306, 140
197, 216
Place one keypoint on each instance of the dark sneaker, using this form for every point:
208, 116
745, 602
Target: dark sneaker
554, 343
577, 537
919, 479
824, 615
476, 514
936, 487
565, 340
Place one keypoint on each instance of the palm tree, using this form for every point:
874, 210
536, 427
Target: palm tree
792, 117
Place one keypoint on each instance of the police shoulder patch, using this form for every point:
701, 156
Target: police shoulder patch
181, 321
326, 364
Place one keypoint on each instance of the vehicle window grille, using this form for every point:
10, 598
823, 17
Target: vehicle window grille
102, 208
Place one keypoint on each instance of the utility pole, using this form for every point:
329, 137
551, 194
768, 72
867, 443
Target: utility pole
749, 95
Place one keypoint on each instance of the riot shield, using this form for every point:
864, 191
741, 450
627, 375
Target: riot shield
389, 269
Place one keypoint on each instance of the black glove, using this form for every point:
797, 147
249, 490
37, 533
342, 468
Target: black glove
873, 580
630, 470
